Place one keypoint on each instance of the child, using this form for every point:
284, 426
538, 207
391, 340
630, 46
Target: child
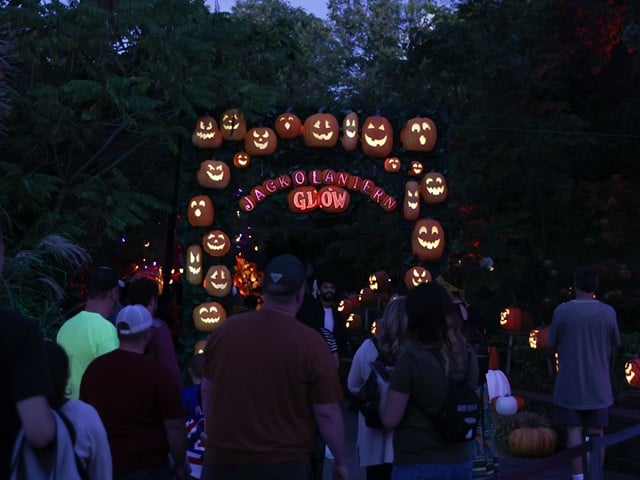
194, 417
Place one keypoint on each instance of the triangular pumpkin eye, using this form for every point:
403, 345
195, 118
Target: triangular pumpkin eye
317, 124
381, 127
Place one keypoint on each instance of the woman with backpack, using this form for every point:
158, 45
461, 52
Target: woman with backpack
430, 401
375, 444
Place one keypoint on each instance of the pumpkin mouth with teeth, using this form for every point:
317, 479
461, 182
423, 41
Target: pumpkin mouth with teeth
216, 243
427, 240
434, 188
218, 281
208, 316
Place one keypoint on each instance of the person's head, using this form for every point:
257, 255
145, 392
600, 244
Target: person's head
327, 289
143, 291
393, 325
284, 278
427, 306
133, 324
104, 286
58, 363
196, 368
586, 279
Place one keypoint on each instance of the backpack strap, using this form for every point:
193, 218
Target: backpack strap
72, 433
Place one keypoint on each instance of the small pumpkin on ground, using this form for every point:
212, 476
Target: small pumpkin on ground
533, 437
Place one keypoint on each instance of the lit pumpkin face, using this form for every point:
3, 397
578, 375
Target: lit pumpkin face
216, 243
511, 319
377, 137
419, 135
213, 174
241, 160
433, 188
218, 281
367, 296
208, 316
379, 281
350, 135
415, 169
415, 276
232, 125
200, 212
411, 204
206, 133
193, 272
353, 322
199, 347
346, 306
539, 338
320, 131
392, 164
260, 141
427, 240
288, 126
632, 372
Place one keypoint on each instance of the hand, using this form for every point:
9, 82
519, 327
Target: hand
340, 471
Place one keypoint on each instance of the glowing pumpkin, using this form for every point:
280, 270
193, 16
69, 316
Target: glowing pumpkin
320, 130
415, 276
193, 272
419, 135
260, 141
208, 316
206, 133
433, 188
218, 281
411, 203
415, 169
379, 281
213, 174
348, 305
353, 322
288, 126
632, 372
392, 164
427, 240
367, 296
199, 347
539, 338
216, 243
241, 160
200, 212
377, 137
233, 125
350, 135
513, 319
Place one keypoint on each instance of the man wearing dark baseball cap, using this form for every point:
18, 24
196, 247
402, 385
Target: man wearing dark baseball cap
266, 426
89, 334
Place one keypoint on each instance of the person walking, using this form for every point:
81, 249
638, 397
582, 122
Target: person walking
584, 333
268, 379
431, 361
375, 445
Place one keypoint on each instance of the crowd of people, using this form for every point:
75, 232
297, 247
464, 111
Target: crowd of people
265, 400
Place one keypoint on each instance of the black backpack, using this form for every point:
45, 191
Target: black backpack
369, 396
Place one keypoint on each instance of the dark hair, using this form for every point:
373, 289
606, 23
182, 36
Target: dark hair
586, 278
141, 290
427, 307
58, 362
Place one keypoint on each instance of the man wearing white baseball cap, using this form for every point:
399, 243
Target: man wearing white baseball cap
139, 402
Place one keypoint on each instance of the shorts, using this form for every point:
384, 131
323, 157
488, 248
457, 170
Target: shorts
598, 418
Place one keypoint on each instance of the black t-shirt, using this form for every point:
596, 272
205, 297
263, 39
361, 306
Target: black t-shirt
23, 374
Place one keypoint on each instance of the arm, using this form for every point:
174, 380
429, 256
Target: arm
329, 419
177, 439
392, 405
99, 463
37, 421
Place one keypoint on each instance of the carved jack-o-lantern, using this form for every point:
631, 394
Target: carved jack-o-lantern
353, 322
206, 133
427, 240
419, 135
415, 276
199, 347
233, 125
241, 160
392, 164
415, 169
213, 174
260, 141
216, 243
411, 204
350, 135
320, 130
218, 281
511, 319
539, 338
377, 137
288, 126
433, 188
366, 296
632, 372
208, 316
348, 305
193, 272
200, 211
379, 281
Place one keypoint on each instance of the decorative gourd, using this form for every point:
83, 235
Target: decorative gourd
218, 281
533, 441
320, 130
506, 405
241, 160
632, 372
419, 135
539, 338
411, 203
350, 135
200, 212
379, 281
392, 164
415, 169
415, 276
213, 174
208, 316
433, 188
288, 126
260, 141
206, 133
377, 137
427, 240
216, 243
193, 272
232, 125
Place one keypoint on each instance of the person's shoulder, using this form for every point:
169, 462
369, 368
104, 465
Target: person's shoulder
78, 409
